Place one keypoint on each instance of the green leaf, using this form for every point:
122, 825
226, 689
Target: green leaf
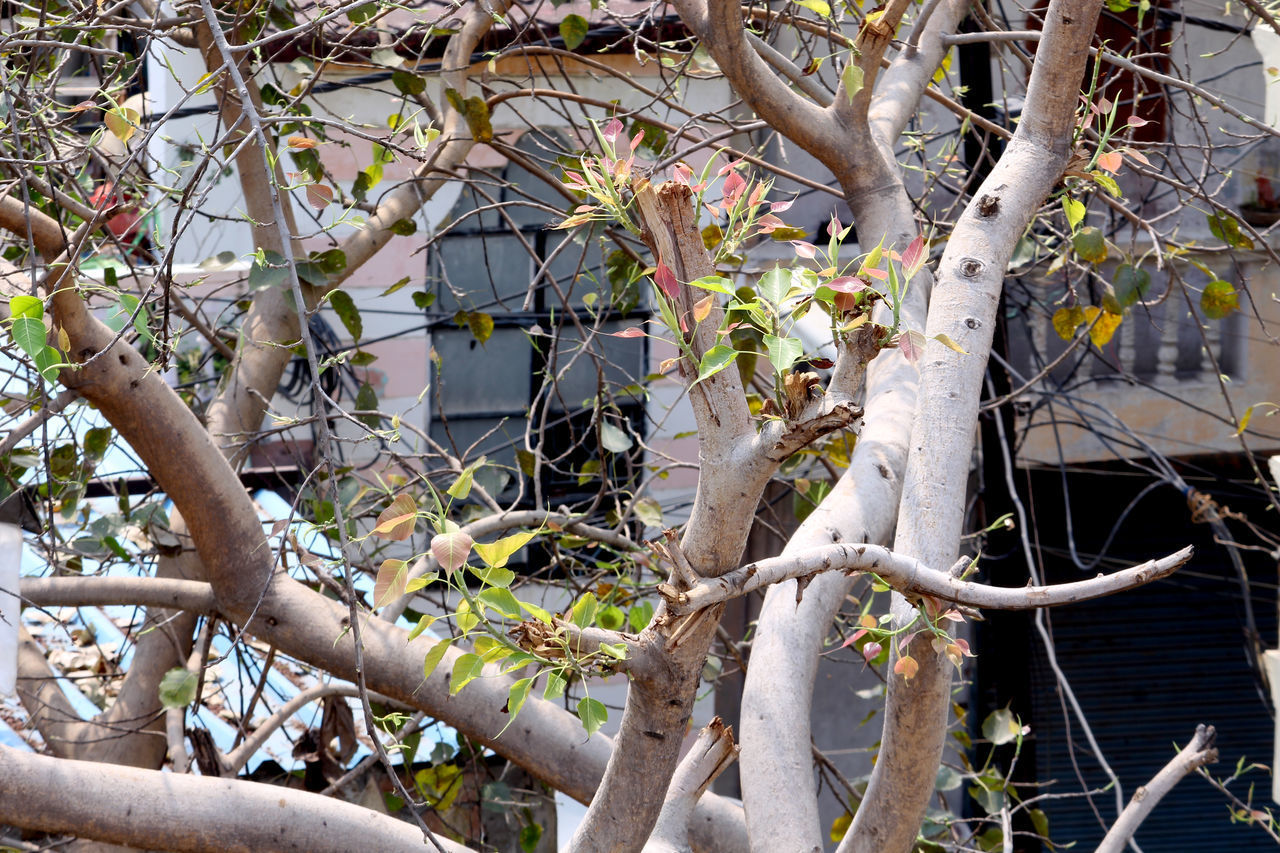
408, 83
361, 14
26, 306
465, 669
178, 688
536, 612
783, 352
556, 684
500, 600
614, 438
573, 29
393, 288
480, 324
434, 655
1219, 299
423, 624
530, 835
462, 486
386, 57
718, 283
648, 511
775, 285
403, 227
367, 400
497, 553
517, 694
1001, 727
851, 76
1226, 228
423, 300
611, 618
1074, 211
96, 442
29, 334
345, 307
269, 270
476, 113
584, 611
593, 714
1130, 284
715, 360
49, 361
494, 577
1090, 244
639, 616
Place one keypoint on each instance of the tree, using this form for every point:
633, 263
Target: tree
912, 319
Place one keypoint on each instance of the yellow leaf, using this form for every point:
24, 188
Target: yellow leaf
1105, 328
946, 341
301, 143
496, 554
1244, 420
122, 122
1067, 320
64, 342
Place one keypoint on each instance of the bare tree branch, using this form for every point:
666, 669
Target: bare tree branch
711, 753
1196, 754
913, 578
199, 814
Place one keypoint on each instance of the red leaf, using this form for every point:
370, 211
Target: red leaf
781, 206
393, 577
804, 250
913, 258
1134, 121
611, 130
733, 187
847, 284
727, 169
666, 280
682, 174
769, 223
319, 196
912, 345
857, 635
1110, 161
834, 227
396, 521
870, 650
633, 332
451, 550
